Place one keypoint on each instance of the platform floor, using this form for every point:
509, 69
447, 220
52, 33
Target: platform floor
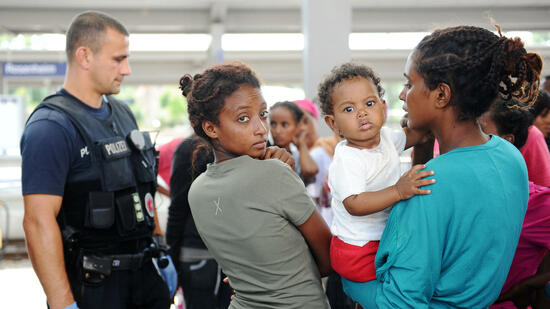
19, 285
20, 288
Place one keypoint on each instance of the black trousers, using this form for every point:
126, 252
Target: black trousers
143, 288
335, 294
202, 285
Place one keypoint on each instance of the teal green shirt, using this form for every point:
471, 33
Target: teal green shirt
453, 247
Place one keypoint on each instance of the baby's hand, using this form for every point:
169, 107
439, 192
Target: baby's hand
407, 185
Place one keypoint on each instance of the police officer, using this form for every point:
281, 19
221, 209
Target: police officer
88, 178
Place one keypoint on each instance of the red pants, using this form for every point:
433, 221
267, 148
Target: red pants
353, 262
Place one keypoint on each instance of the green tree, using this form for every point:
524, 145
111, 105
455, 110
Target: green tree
32, 95
127, 95
173, 108
392, 99
541, 38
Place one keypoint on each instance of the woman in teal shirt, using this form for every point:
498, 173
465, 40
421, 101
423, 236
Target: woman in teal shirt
453, 247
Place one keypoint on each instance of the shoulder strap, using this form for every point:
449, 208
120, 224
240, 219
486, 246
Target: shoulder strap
66, 106
120, 107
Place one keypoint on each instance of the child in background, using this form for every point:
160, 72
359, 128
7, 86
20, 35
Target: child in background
309, 121
364, 176
254, 216
322, 153
541, 113
285, 120
306, 138
510, 121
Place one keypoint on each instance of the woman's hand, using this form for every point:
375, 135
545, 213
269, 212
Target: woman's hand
226, 280
274, 152
519, 294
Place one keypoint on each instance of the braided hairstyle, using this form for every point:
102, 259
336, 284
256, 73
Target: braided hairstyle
478, 66
344, 72
206, 92
294, 109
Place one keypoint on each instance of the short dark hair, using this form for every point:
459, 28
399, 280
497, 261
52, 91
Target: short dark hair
542, 104
337, 75
511, 117
478, 65
294, 109
88, 29
206, 92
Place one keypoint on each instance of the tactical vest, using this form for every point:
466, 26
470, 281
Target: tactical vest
111, 202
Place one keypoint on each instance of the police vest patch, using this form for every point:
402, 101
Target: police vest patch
115, 149
150, 204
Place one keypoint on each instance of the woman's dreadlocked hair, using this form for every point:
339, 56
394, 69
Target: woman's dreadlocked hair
478, 66
206, 92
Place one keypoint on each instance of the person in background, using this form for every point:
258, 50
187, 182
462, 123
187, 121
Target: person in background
535, 151
511, 121
546, 84
254, 216
321, 151
88, 179
199, 275
473, 217
166, 154
309, 121
305, 139
541, 113
288, 132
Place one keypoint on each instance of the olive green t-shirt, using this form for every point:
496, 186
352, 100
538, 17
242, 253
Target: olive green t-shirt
247, 212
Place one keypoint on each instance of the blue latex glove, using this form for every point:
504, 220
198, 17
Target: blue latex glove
72, 306
547, 289
169, 275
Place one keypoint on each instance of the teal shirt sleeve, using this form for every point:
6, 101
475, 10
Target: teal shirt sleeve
408, 262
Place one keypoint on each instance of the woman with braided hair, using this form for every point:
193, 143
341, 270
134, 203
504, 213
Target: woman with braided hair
453, 247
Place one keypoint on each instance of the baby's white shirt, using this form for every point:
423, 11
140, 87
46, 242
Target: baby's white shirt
354, 171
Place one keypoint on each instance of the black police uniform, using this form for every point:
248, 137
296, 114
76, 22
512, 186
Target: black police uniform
105, 214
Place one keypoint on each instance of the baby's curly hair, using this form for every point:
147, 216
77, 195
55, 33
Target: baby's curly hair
206, 92
337, 75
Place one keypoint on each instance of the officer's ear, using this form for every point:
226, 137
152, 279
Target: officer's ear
82, 57
210, 129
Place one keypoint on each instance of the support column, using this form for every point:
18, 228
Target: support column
215, 51
4, 85
218, 11
326, 25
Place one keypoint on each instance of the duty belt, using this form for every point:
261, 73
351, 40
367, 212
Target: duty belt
106, 263
191, 255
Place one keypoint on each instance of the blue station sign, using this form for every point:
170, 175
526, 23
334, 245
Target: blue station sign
33, 69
